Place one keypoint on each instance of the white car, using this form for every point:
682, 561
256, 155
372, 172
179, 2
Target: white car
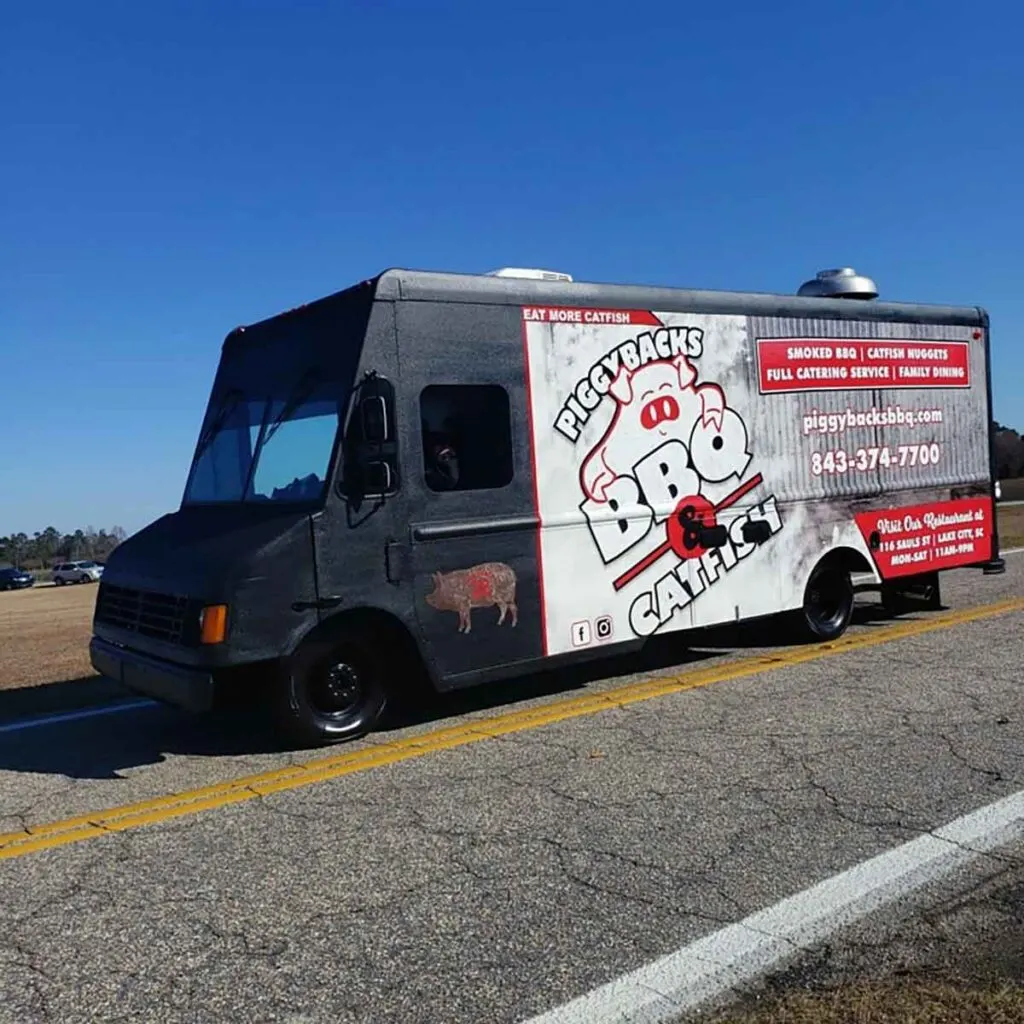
76, 572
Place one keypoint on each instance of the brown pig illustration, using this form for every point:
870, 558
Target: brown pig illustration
491, 583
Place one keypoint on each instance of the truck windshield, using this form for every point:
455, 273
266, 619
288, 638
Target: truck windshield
277, 400
267, 447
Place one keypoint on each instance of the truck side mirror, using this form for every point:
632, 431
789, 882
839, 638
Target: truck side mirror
373, 414
364, 477
370, 453
377, 477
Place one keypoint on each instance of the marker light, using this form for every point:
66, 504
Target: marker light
213, 622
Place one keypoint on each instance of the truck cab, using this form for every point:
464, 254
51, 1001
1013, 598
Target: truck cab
242, 583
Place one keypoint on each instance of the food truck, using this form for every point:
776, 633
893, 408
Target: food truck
484, 475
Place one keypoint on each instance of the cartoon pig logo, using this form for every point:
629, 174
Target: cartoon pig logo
657, 403
719, 451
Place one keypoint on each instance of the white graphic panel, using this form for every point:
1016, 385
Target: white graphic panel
641, 439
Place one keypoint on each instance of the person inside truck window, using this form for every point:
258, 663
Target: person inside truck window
467, 436
441, 456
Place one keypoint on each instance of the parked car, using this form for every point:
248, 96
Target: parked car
77, 572
15, 579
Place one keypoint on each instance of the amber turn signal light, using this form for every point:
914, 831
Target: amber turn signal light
213, 621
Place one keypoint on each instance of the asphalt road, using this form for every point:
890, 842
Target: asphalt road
502, 877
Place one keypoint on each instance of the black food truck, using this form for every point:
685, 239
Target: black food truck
483, 475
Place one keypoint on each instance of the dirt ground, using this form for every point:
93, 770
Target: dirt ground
919, 1002
44, 634
1011, 527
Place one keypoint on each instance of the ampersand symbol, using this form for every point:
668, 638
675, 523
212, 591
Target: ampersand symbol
683, 528
691, 527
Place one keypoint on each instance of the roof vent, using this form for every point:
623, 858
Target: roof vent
529, 272
844, 283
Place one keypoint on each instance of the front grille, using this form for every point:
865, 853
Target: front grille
160, 616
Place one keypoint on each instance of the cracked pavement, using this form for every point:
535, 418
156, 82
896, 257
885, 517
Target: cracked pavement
490, 882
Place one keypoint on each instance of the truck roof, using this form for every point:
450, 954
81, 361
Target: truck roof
435, 286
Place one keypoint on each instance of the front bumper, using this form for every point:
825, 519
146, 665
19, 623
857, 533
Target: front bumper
190, 689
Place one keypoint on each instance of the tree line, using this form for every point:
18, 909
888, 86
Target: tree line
48, 547
1009, 453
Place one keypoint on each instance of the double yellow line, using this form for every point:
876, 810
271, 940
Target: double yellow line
119, 819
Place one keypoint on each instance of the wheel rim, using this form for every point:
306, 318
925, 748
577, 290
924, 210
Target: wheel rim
827, 599
336, 691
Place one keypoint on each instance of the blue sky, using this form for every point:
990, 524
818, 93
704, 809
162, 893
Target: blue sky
173, 169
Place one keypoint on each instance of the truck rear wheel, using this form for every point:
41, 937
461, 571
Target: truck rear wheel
331, 690
828, 602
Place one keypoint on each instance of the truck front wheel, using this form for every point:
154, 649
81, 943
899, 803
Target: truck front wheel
828, 602
330, 690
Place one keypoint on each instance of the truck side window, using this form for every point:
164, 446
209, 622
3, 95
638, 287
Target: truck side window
467, 436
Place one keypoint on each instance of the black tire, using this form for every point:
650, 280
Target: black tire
828, 602
59, 581
85, 579
331, 690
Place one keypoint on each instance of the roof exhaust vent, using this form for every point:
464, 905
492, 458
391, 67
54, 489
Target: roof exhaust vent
531, 273
844, 283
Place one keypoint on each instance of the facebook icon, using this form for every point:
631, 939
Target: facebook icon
580, 633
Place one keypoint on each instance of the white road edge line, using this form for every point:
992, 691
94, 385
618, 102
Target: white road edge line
73, 716
711, 967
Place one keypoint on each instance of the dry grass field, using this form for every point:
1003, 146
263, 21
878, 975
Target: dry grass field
1013, 490
1011, 527
44, 635
44, 632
